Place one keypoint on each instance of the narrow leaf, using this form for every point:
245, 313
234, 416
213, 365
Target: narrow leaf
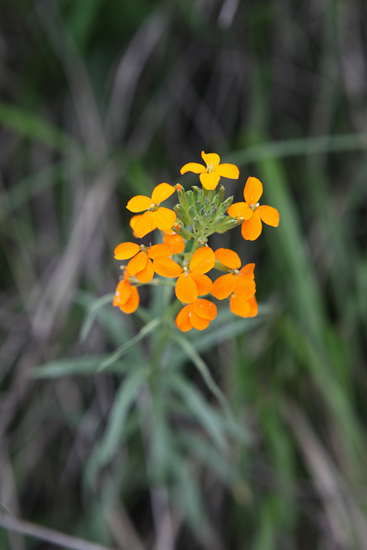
147, 329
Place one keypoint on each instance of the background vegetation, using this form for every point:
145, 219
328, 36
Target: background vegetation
101, 100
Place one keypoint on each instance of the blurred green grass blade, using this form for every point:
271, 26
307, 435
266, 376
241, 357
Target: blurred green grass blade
334, 391
302, 146
281, 450
323, 208
28, 187
81, 20
204, 413
162, 453
208, 455
361, 276
266, 526
287, 249
34, 127
188, 498
126, 395
145, 331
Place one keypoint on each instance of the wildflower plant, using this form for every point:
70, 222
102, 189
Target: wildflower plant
184, 256
171, 252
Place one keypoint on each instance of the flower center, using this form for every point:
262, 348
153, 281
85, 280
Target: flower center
254, 206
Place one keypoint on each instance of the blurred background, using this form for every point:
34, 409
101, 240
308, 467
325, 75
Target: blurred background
103, 100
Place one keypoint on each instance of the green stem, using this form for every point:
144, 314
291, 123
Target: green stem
156, 282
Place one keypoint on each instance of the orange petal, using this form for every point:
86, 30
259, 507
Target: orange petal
202, 260
132, 303
122, 293
240, 210
248, 270
162, 192
205, 309
203, 282
251, 229
245, 286
194, 167
139, 203
175, 242
224, 286
138, 263
158, 251
142, 224
242, 306
269, 215
228, 171
228, 257
186, 290
253, 190
200, 323
164, 218
124, 251
211, 160
209, 181
147, 274
167, 267
183, 321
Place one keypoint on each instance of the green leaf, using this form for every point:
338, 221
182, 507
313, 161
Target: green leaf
124, 399
66, 367
147, 329
188, 498
92, 314
204, 371
162, 442
110, 318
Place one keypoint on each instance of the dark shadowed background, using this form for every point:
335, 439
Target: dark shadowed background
100, 100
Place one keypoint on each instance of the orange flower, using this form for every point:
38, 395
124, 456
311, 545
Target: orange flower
238, 284
198, 314
175, 242
243, 307
126, 297
213, 171
251, 212
155, 216
193, 283
237, 281
145, 261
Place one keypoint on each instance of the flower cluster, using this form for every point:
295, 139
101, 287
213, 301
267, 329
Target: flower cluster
183, 255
